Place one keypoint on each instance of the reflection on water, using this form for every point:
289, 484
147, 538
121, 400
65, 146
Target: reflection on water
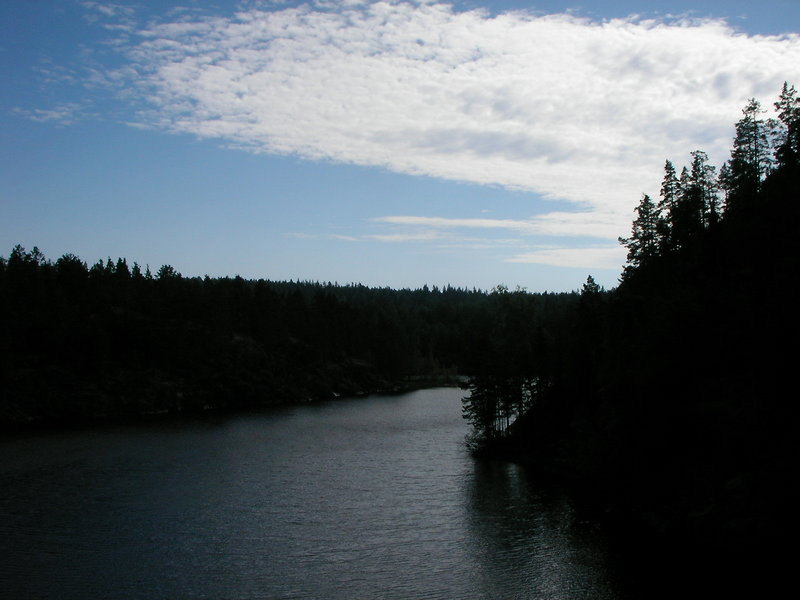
528, 540
365, 498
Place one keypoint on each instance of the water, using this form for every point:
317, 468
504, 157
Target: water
364, 498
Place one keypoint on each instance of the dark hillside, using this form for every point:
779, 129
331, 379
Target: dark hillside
674, 408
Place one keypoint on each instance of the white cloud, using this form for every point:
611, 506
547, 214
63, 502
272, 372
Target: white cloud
563, 224
567, 107
66, 113
101, 11
419, 236
555, 224
327, 236
600, 257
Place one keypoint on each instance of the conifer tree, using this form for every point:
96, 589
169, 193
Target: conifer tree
590, 287
725, 182
703, 183
121, 269
670, 196
643, 245
787, 130
698, 201
751, 159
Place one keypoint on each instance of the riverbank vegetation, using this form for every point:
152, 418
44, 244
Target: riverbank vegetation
115, 340
671, 397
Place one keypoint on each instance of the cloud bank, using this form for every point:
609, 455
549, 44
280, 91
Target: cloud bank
569, 108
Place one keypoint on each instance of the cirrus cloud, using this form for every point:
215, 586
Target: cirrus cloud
594, 257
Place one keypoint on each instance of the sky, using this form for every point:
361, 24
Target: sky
399, 144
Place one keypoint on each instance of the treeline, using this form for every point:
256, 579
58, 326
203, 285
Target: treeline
115, 340
672, 400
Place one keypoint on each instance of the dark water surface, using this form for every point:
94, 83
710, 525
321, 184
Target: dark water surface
363, 498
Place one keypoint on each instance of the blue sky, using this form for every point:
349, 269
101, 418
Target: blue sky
391, 144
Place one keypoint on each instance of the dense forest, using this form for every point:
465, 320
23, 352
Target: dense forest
672, 399
115, 341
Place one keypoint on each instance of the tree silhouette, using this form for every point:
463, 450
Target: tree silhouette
644, 243
671, 193
751, 157
787, 137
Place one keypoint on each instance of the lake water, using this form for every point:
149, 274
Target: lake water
361, 498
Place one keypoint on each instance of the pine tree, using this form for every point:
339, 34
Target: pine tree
686, 214
643, 245
703, 184
787, 129
670, 196
591, 287
121, 269
725, 182
751, 158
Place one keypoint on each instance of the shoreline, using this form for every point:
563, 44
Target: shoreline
177, 410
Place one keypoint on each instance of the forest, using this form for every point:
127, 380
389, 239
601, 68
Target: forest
669, 397
116, 341
670, 401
